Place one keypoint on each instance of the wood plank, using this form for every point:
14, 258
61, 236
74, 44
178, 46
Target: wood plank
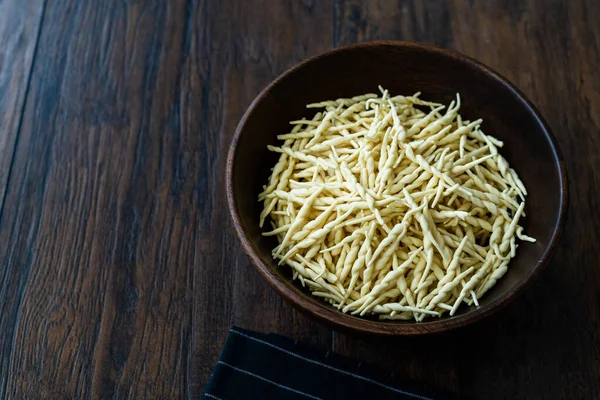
235, 57
101, 226
121, 272
19, 26
546, 344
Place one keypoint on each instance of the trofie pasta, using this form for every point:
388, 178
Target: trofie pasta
393, 206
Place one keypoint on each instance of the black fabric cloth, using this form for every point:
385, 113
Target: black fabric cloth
268, 366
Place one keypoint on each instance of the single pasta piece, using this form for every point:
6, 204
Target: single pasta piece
392, 207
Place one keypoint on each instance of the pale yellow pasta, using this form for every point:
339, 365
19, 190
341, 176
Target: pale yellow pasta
393, 207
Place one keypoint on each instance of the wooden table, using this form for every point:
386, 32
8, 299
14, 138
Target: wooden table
120, 274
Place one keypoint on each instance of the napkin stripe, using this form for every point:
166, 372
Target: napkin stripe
262, 378
416, 396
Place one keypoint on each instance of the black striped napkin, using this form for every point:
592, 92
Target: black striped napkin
268, 366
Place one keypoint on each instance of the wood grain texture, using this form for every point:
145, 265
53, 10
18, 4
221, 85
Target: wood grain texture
547, 344
120, 272
234, 57
99, 233
19, 28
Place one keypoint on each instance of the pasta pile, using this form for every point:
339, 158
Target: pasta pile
393, 206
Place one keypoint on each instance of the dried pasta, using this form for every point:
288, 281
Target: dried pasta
393, 206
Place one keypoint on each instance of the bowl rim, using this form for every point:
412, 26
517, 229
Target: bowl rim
337, 319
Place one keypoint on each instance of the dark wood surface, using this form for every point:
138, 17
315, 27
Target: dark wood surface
119, 272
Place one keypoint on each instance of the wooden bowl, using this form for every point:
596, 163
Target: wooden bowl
402, 68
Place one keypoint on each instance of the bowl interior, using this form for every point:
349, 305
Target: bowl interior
402, 69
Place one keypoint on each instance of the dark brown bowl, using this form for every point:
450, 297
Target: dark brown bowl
402, 68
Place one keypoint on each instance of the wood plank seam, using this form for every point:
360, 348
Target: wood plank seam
22, 112
4, 383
